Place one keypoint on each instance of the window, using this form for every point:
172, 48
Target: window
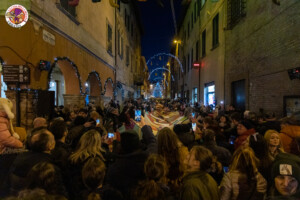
188, 62
109, 39
195, 95
184, 62
192, 58
235, 10
192, 24
68, 8
203, 43
209, 94
127, 55
121, 47
197, 50
215, 35
202, 3
195, 11
119, 43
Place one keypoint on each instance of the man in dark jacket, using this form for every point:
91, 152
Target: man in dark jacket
149, 139
41, 143
197, 183
128, 168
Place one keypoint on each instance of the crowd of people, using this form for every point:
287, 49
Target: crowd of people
102, 152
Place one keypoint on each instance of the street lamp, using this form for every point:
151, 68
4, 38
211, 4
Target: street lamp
177, 42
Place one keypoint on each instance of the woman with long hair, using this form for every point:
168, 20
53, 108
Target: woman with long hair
274, 143
89, 146
154, 187
243, 181
259, 145
174, 153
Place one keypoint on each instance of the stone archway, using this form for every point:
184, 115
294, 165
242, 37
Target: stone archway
93, 87
73, 94
108, 88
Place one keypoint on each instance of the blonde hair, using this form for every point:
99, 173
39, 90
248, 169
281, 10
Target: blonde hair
94, 115
89, 145
268, 137
245, 161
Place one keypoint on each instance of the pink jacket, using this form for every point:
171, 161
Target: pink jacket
6, 139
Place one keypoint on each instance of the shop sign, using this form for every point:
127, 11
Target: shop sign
16, 16
16, 73
48, 37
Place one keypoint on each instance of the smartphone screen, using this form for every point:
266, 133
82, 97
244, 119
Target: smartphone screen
193, 115
98, 121
138, 114
111, 135
226, 169
231, 140
194, 125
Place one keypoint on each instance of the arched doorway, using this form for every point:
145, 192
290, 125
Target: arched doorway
64, 79
57, 84
93, 88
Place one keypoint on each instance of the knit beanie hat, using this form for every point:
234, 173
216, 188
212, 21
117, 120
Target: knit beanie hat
286, 164
248, 125
130, 141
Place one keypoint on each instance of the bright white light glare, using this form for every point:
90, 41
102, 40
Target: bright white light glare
86, 84
221, 102
52, 84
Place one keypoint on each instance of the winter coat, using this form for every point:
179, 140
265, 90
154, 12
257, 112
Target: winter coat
240, 140
223, 155
199, 185
6, 138
127, 171
235, 186
149, 139
287, 135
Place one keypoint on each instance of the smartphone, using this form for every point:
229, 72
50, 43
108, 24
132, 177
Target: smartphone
193, 115
98, 121
194, 126
138, 114
226, 169
231, 140
111, 135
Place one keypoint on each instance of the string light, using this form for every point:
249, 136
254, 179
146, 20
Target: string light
166, 54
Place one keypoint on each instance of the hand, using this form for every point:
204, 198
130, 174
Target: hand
198, 134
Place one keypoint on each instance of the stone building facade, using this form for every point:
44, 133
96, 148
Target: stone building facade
262, 44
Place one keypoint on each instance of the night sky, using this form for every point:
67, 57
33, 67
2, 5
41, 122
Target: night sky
158, 28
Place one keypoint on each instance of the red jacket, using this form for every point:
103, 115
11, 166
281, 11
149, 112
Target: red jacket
242, 138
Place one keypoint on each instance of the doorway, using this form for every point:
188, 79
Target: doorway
238, 94
57, 84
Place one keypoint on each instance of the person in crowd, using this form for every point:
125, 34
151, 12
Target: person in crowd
260, 147
93, 173
46, 176
62, 151
197, 183
36, 194
39, 122
89, 146
127, 170
223, 155
149, 139
243, 181
267, 122
235, 118
175, 154
76, 131
185, 134
244, 130
290, 129
41, 144
84, 113
224, 123
274, 143
154, 187
285, 177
